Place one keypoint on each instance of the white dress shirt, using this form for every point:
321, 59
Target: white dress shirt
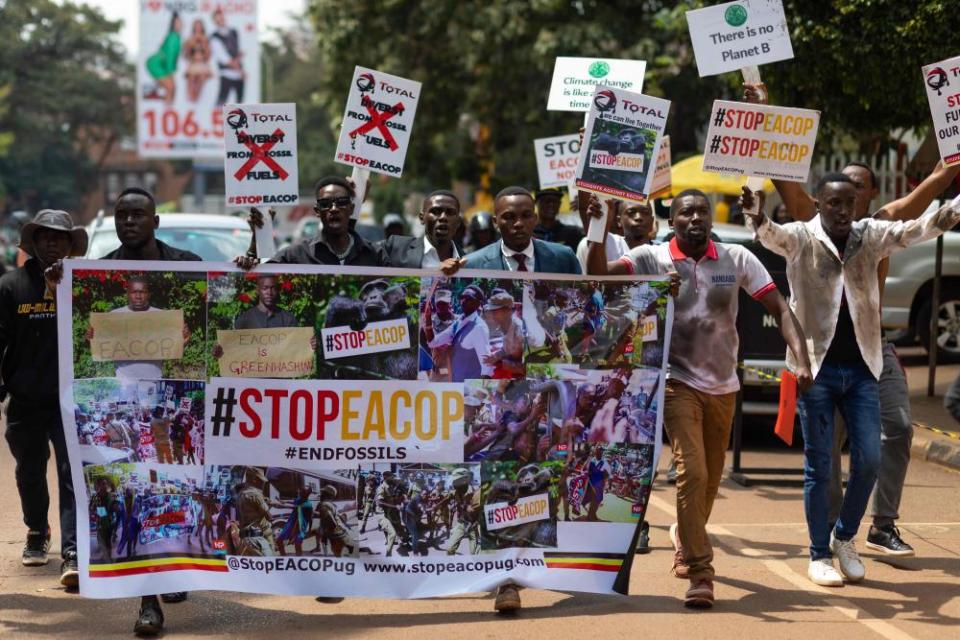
819, 278
508, 257
477, 339
431, 258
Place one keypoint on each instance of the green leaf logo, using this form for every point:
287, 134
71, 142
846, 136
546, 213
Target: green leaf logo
599, 69
735, 15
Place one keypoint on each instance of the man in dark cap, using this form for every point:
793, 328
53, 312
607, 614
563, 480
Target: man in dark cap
28, 346
548, 227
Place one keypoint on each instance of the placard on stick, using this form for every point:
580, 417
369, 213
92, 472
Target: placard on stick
760, 140
260, 165
621, 143
557, 160
377, 122
574, 80
733, 35
942, 80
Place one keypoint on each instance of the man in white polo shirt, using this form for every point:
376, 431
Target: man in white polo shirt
702, 383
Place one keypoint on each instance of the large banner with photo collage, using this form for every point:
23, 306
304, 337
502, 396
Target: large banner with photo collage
346, 431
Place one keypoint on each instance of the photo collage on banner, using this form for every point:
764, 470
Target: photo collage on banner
336, 413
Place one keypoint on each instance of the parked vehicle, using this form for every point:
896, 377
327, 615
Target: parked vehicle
214, 237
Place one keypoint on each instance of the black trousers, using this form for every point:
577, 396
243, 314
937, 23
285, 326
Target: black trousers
31, 429
226, 86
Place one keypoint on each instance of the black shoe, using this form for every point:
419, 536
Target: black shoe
150, 621
35, 549
888, 541
329, 600
643, 541
69, 573
174, 598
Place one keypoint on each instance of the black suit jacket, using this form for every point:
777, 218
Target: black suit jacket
405, 252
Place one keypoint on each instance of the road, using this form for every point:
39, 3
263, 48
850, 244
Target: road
760, 539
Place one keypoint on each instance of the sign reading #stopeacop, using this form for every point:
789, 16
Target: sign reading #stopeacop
260, 167
733, 35
450, 446
574, 80
760, 140
377, 122
942, 80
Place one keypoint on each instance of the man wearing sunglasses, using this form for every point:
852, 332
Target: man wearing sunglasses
336, 244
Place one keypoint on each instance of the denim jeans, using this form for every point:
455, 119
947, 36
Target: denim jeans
851, 389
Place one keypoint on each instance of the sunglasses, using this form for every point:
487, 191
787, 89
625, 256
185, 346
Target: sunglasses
330, 203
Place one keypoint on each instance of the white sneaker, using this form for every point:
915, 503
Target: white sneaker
821, 572
675, 535
850, 565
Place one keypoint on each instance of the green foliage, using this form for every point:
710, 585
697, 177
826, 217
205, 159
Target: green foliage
70, 97
103, 291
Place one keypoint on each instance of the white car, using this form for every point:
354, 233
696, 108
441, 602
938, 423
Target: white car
214, 237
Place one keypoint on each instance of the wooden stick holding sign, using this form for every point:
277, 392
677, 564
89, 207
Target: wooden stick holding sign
751, 76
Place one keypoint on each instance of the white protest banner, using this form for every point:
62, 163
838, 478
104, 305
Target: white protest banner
377, 122
733, 35
942, 80
574, 80
760, 140
260, 166
194, 57
500, 515
393, 422
375, 337
662, 177
622, 140
557, 160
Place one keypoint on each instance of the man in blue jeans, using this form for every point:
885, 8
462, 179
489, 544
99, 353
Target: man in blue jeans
832, 268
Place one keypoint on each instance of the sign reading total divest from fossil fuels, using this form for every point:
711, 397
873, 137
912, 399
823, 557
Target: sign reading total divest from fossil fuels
760, 140
621, 143
733, 35
942, 80
377, 122
260, 166
574, 80
557, 160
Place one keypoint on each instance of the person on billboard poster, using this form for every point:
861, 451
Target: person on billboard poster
163, 64
225, 46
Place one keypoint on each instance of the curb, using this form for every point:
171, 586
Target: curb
937, 449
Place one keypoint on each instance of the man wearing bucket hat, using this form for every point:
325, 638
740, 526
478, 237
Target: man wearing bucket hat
28, 346
508, 359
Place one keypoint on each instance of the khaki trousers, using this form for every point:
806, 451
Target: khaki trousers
699, 427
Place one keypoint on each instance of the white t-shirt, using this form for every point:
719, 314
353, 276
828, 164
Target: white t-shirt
704, 343
615, 247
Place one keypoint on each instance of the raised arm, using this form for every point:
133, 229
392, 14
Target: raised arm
782, 240
597, 264
893, 236
912, 205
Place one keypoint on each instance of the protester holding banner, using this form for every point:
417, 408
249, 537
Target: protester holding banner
701, 391
548, 227
28, 349
896, 426
832, 264
440, 217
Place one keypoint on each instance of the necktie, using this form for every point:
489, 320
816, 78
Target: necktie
521, 261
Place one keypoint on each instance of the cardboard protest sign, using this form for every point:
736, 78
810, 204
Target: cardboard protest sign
274, 353
181, 87
415, 379
557, 160
661, 176
260, 166
141, 335
622, 141
377, 122
760, 140
733, 35
574, 80
942, 80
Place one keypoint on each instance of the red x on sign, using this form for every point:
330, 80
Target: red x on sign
258, 154
378, 120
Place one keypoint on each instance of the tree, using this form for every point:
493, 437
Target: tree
70, 99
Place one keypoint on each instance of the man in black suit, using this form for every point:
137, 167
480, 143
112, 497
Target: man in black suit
440, 216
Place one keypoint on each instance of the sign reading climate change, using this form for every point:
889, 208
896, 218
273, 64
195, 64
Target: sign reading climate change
475, 430
733, 35
942, 80
574, 80
377, 122
261, 154
194, 57
760, 140
622, 139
